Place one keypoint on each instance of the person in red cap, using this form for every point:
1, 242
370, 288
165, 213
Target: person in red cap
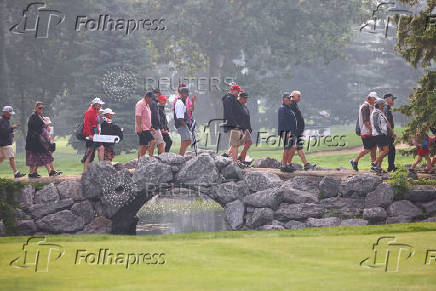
162, 101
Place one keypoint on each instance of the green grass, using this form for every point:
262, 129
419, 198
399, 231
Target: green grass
308, 259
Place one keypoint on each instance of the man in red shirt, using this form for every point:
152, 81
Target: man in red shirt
91, 126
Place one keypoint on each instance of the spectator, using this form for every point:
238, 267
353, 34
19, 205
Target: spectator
143, 123
422, 142
47, 134
295, 98
155, 124
381, 131
109, 128
164, 123
389, 98
6, 138
92, 126
181, 120
287, 128
37, 146
190, 105
365, 129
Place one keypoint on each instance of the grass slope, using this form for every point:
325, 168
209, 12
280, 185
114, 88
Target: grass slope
308, 259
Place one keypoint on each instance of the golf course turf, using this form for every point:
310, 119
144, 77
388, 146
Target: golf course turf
306, 259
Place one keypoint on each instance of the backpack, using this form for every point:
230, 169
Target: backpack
79, 132
357, 130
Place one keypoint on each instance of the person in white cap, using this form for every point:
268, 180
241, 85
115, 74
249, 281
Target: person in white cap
109, 128
6, 139
365, 130
91, 126
380, 131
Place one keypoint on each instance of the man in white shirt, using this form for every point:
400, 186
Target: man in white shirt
181, 120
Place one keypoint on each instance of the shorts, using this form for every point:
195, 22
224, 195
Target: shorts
157, 135
293, 141
369, 142
185, 133
238, 137
145, 137
381, 140
6, 152
422, 152
91, 144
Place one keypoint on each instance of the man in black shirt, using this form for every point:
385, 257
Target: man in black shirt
6, 137
155, 125
295, 98
389, 98
164, 129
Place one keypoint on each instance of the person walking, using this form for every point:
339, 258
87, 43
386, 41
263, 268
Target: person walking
190, 104
162, 100
155, 124
92, 126
365, 130
6, 139
47, 132
143, 123
109, 128
181, 120
390, 100
295, 99
287, 129
37, 145
381, 131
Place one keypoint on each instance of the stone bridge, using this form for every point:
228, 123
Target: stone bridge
107, 198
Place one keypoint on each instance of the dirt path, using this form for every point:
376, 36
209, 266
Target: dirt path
353, 150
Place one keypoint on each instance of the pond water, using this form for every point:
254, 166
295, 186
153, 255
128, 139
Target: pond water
169, 216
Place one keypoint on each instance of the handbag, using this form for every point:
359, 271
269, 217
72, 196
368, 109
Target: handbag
52, 147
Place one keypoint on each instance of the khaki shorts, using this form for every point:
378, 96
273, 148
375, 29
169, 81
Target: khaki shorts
158, 137
6, 152
238, 137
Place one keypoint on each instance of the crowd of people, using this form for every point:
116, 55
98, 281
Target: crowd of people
375, 126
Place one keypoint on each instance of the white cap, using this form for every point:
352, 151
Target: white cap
373, 95
97, 101
108, 111
295, 93
46, 120
9, 109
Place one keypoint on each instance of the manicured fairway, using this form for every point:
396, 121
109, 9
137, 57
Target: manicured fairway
309, 259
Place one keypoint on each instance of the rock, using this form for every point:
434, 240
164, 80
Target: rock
84, 209
26, 227
61, 222
347, 207
412, 175
398, 219
430, 207
221, 162
422, 193
382, 196
40, 210
271, 227
175, 169
99, 225
47, 194
300, 211
199, 170
99, 176
291, 195
431, 219
21, 215
232, 172
329, 187
258, 181
294, 224
71, 189
359, 185
276, 222
260, 217
266, 163
118, 166
404, 208
131, 165
25, 198
171, 159
296, 166
150, 173
376, 215
270, 198
228, 192
304, 183
234, 213
354, 222
323, 222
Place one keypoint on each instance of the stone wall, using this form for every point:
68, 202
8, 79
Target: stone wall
107, 197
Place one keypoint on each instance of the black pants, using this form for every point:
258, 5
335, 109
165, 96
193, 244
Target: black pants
391, 154
168, 141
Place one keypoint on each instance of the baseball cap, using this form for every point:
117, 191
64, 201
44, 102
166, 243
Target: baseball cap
373, 95
162, 98
184, 90
380, 102
9, 109
236, 87
389, 95
286, 95
46, 120
149, 94
156, 90
295, 93
181, 85
243, 95
108, 111
97, 101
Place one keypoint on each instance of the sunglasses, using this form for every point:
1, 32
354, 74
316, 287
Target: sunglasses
40, 108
